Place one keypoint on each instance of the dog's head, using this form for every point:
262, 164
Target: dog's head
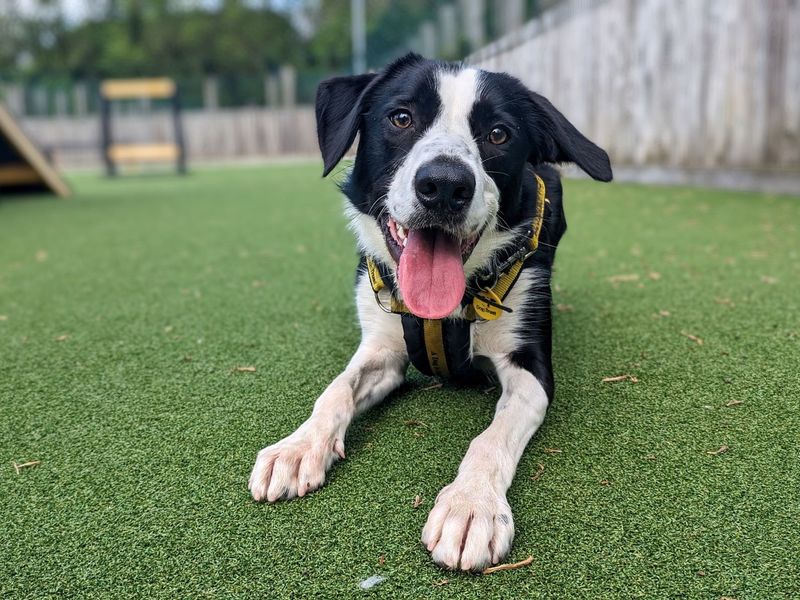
437, 183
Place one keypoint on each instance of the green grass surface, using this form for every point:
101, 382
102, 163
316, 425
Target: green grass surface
124, 309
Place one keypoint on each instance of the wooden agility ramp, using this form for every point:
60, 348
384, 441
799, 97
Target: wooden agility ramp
23, 168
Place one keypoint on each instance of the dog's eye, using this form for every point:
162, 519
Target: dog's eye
498, 136
401, 119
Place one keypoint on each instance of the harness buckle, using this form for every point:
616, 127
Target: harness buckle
380, 304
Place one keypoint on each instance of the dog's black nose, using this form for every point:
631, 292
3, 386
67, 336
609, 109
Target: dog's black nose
444, 185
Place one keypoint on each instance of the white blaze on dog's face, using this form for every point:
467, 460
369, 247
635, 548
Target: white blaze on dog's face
439, 202
436, 189
448, 140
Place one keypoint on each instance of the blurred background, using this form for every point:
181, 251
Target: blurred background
678, 91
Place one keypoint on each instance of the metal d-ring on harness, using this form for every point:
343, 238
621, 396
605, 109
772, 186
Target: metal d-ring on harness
442, 347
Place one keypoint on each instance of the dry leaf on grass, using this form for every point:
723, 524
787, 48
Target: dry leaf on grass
664, 313
725, 302
168, 329
627, 278
62, 338
414, 423
769, 280
26, 465
718, 451
381, 560
654, 275
553, 450
508, 566
417, 501
247, 369
258, 283
41, 255
538, 475
441, 582
616, 378
3, 318
564, 307
734, 403
650, 457
694, 338
605, 482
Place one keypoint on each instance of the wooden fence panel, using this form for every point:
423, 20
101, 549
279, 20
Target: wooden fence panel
210, 135
669, 83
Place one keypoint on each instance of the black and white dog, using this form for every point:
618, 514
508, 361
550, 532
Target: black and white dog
447, 200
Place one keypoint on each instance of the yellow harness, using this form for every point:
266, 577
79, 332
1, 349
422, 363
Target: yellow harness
485, 305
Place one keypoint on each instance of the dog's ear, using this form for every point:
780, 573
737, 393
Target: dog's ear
554, 139
338, 108
341, 103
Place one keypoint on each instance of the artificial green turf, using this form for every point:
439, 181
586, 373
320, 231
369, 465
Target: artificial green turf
146, 437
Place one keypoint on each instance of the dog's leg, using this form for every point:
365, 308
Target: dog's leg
297, 464
470, 525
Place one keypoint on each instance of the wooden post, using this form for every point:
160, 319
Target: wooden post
105, 136
473, 13
448, 31
272, 92
80, 99
288, 78
210, 93
427, 37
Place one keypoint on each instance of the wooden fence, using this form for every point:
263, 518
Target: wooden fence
711, 84
210, 135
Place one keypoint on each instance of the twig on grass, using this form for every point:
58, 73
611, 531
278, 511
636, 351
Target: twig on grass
694, 338
538, 475
31, 463
616, 378
244, 369
435, 386
508, 566
720, 450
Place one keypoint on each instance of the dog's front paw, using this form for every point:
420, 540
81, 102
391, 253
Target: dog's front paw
470, 526
296, 465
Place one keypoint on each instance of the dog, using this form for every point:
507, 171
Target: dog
457, 210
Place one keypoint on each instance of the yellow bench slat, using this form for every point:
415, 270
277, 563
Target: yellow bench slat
119, 89
143, 152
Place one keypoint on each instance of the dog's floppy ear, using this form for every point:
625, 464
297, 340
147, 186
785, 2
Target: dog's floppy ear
338, 110
341, 102
554, 139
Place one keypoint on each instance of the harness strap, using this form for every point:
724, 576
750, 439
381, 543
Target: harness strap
442, 347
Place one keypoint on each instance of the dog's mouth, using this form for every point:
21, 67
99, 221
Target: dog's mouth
430, 267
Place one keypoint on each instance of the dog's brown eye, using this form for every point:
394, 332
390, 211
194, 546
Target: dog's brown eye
498, 136
401, 119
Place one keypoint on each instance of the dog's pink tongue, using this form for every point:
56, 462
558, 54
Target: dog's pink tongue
431, 274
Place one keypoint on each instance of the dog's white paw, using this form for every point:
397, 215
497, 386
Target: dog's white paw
470, 526
296, 465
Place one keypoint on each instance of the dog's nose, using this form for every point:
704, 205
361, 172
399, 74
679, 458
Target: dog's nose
444, 185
